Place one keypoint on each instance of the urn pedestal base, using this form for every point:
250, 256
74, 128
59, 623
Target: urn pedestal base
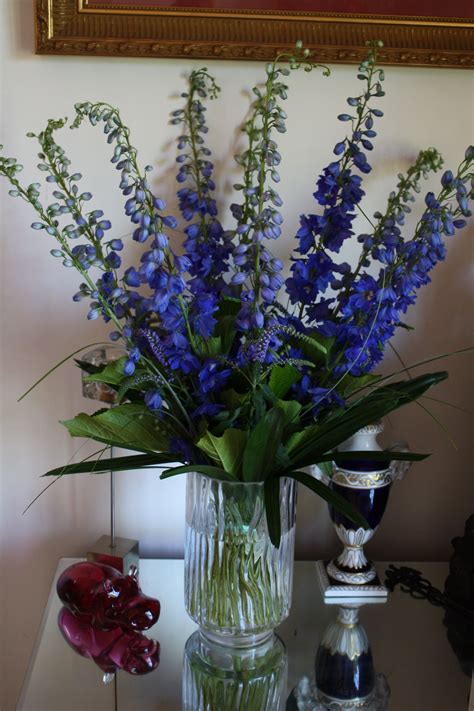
333, 590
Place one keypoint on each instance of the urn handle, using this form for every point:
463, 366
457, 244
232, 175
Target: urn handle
322, 472
399, 468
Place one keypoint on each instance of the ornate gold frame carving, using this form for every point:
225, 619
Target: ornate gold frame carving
71, 27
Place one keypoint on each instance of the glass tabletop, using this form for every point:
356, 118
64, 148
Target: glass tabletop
410, 650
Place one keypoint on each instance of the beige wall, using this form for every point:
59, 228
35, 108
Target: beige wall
40, 323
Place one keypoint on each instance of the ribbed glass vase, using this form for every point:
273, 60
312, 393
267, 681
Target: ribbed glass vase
237, 584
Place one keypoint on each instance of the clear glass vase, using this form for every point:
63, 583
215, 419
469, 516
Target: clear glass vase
237, 584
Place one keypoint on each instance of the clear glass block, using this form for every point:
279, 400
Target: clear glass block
237, 584
233, 679
104, 355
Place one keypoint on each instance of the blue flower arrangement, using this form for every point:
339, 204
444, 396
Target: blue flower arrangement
220, 375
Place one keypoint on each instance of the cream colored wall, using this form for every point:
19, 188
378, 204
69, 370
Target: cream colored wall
40, 323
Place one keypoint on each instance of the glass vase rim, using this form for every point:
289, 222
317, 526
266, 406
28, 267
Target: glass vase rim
238, 482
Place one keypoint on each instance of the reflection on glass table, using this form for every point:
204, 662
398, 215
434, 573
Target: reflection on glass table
218, 677
344, 673
412, 659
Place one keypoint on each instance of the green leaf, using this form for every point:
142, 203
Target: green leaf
130, 426
272, 509
299, 438
350, 383
206, 445
227, 450
282, 378
213, 472
140, 379
282, 460
112, 374
116, 464
332, 497
326, 468
232, 399
377, 456
225, 420
426, 361
258, 404
226, 331
314, 346
225, 327
262, 445
87, 367
212, 346
291, 410
229, 306
305, 447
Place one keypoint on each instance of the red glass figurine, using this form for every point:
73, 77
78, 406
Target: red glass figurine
104, 598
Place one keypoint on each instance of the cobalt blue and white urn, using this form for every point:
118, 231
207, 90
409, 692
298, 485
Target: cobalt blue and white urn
366, 485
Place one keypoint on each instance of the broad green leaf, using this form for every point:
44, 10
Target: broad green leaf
291, 410
206, 445
350, 383
213, 472
282, 378
116, 464
112, 374
227, 450
262, 445
299, 438
332, 497
130, 426
272, 509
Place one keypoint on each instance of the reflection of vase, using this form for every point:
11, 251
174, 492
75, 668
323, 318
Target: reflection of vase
223, 678
344, 667
237, 584
365, 484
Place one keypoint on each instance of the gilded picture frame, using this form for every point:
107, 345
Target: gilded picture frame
107, 28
